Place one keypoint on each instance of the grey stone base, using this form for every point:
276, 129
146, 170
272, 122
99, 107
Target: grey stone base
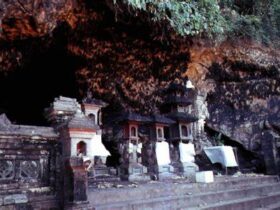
185, 169
138, 177
13, 199
189, 172
103, 173
134, 172
166, 172
166, 176
78, 206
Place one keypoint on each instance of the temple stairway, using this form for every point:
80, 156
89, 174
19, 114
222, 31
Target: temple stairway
244, 192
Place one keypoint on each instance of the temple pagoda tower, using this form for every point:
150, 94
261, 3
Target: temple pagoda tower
130, 148
177, 106
157, 154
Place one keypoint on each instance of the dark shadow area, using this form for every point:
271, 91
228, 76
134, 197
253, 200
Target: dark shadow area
49, 73
248, 161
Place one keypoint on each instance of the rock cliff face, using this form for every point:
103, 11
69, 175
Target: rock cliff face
241, 81
127, 63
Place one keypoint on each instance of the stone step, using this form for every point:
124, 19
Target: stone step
194, 201
94, 183
23, 200
165, 189
257, 202
236, 194
108, 178
274, 206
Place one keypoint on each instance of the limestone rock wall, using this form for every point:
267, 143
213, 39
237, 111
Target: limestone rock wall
129, 63
242, 88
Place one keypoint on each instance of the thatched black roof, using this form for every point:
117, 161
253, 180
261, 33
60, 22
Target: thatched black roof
184, 117
94, 101
131, 116
157, 118
178, 100
83, 122
173, 87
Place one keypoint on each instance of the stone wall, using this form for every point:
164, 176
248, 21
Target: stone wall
29, 167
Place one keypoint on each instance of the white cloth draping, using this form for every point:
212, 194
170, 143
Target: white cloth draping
98, 149
187, 152
137, 147
221, 154
162, 153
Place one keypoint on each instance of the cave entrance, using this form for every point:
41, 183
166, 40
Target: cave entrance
48, 73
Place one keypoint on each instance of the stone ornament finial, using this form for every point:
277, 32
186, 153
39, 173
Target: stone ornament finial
4, 121
89, 95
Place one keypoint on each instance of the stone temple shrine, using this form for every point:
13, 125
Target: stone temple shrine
66, 165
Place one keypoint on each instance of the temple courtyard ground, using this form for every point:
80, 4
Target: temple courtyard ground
241, 191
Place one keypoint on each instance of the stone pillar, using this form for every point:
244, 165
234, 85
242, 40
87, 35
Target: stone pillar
149, 158
164, 168
131, 168
201, 111
269, 150
187, 159
76, 185
175, 156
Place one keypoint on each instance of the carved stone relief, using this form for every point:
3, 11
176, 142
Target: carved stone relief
7, 170
29, 169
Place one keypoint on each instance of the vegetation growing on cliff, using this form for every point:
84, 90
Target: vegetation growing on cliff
258, 19
126, 50
186, 17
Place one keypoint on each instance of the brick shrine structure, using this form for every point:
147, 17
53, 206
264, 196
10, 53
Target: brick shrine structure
81, 135
130, 148
168, 136
177, 106
158, 154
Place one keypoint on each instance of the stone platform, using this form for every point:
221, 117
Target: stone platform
243, 192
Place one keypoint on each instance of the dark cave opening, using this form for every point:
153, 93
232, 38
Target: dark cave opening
247, 160
48, 73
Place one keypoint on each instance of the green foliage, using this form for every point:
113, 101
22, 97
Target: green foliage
257, 19
186, 17
275, 16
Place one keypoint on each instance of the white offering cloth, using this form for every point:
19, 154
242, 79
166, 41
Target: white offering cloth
162, 153
221, 154
187, 152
